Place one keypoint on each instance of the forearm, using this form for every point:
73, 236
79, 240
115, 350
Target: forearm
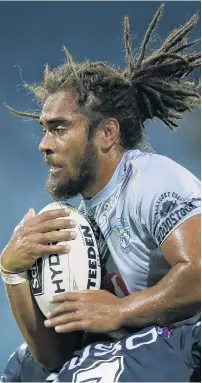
51, 349
174, 298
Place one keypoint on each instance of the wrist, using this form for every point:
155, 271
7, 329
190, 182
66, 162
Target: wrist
11, 277
14, 279
125, 309
7, 268
4, 268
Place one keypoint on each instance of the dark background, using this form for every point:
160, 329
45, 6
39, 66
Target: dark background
31, 35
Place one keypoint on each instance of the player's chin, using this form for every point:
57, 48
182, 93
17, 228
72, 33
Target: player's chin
55, 171
56, 187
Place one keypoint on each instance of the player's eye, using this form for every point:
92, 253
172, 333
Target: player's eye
59, 129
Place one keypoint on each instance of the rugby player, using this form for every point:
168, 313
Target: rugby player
144, 208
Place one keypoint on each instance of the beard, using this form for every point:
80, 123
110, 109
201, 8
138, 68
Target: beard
68, 187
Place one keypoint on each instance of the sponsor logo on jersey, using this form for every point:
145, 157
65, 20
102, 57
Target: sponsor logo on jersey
170, 209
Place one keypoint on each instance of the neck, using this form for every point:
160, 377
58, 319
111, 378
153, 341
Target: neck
107, 167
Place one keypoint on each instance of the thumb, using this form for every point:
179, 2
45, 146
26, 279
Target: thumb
30, 214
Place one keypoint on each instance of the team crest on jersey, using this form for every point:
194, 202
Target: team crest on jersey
122, 230
167, 207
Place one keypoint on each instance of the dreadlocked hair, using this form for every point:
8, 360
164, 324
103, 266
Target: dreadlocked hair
151, 86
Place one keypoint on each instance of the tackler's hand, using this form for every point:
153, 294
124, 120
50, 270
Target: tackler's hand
37, 235
93, 311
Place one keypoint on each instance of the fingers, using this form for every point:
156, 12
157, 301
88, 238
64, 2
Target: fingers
74, 296
73, 326
56, 224
57, 236
30, 214
65, 307
66, 317
68, 322
63, 319
27, 243
49, 221
48, 215
40, 250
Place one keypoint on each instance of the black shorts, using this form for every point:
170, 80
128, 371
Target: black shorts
149, 355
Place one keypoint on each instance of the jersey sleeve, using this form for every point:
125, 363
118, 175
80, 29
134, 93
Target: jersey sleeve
168, 195
14, 364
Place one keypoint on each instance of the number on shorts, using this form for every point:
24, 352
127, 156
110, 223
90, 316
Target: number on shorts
102, 371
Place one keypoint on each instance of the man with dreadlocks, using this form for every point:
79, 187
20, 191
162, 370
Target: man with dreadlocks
144, 208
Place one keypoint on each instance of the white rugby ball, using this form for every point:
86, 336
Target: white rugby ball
78, 270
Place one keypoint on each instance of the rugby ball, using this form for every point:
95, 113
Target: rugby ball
77, 270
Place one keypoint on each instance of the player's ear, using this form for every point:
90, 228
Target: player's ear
110, 134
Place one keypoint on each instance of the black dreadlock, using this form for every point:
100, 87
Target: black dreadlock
151, 86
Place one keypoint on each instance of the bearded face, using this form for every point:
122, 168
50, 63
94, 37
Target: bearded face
74, 177
70, 153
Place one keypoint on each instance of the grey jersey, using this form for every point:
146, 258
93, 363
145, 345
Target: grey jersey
147, 198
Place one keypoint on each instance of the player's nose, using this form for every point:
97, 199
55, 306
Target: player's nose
47, 143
